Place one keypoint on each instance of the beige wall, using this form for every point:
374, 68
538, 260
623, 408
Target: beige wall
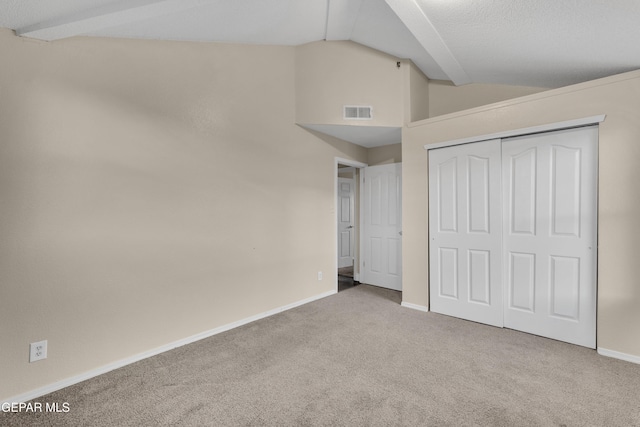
445, 98
619, 199
418, 94
348, 173
384, 155
151, 191
330, 75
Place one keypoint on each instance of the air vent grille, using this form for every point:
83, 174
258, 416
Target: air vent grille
358, 112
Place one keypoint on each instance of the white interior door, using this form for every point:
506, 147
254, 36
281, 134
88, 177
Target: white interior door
345, 221
382, 226
465, 232
550, 188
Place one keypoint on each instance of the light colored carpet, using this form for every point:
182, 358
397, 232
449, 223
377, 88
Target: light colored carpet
358, 358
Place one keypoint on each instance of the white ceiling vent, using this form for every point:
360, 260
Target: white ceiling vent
358, 112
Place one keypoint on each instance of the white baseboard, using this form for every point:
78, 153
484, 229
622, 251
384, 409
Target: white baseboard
50, 388
356, 277
415, 306
617, 355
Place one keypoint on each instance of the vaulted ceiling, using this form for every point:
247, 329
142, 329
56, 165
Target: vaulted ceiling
546, 43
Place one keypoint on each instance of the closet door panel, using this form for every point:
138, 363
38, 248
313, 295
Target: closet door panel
465, 229
550, 234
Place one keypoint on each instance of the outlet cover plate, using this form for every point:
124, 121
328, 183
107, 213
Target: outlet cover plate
37, 351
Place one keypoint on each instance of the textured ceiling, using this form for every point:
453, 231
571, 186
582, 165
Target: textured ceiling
547, 43
539, 43
280, 22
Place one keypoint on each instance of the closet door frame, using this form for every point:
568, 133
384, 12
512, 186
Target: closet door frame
552, 127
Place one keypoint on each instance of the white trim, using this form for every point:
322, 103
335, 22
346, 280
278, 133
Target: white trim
415, 306
361, 189
585, 121
618, 355
356, 277
358, 165
158, 350
419, 24
352, 242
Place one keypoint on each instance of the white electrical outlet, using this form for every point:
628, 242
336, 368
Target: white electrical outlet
319, 275
37, 351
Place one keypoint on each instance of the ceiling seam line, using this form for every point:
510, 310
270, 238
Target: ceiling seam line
326, 21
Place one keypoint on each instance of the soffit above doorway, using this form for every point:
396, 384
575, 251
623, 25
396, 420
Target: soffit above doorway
365, 136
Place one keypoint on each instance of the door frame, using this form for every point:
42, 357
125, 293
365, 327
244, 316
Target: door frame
353, 221
357, 165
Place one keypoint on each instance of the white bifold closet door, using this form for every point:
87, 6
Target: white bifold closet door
512, 227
